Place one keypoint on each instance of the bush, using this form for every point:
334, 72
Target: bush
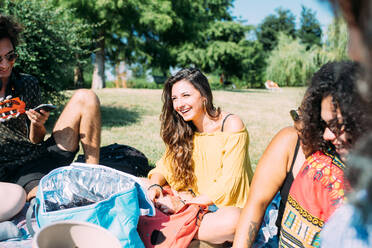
51, 43
290, 64
142, 83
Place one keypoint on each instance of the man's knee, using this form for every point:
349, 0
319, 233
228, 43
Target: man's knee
86, 98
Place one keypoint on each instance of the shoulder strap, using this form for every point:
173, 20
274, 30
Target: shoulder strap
29, 213
295, 155
224, 119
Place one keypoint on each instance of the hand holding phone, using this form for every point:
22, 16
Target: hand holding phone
45, 107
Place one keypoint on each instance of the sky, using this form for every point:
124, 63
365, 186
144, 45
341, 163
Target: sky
254, 11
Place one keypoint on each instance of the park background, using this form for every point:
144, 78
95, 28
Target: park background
104, 44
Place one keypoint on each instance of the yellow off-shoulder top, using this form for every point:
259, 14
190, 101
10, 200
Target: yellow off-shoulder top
221, 165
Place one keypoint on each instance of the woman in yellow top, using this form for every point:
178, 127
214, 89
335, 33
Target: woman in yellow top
206, 153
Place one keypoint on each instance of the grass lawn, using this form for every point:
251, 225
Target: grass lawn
131, 116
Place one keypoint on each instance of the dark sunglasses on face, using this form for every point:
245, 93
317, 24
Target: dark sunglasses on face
10, 57
334, 126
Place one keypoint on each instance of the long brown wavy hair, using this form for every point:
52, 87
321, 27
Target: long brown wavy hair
178, 134
336, 79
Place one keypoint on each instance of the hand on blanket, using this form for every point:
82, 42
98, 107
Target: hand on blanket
169, 204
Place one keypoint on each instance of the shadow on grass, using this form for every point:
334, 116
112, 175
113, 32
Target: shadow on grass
242, 90
110, 116
117, 117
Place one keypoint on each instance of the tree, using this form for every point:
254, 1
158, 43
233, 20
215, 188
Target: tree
189, 20
50, 43
267, 32
290, 64
224, 49
335, 46
120, 35
310, 32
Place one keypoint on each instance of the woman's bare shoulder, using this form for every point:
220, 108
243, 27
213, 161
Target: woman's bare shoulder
233, 123
287, 135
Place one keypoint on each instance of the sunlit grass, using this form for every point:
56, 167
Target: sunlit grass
131, 116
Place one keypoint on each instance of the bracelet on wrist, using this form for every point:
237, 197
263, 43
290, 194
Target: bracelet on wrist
155, 185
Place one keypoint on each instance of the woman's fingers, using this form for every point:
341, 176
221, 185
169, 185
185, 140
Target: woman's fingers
154, 193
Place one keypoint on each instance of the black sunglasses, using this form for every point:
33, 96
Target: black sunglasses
10, 57
334, 126
294, 114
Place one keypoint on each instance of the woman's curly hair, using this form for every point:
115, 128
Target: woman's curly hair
178, 134
10, 29
336, 79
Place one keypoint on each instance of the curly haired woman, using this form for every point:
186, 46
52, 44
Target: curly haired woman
206, 153
332, 119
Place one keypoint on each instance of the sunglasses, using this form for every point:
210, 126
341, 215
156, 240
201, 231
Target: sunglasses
294, 114
10, 57
334, 126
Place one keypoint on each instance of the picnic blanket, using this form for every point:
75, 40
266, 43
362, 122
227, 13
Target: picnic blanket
25, 240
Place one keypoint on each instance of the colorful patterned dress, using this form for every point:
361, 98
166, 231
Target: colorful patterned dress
317, 191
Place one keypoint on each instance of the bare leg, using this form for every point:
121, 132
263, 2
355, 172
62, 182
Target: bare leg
13, 198
80, 121
219, 227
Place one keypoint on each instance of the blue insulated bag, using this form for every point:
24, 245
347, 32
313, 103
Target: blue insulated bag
97, 194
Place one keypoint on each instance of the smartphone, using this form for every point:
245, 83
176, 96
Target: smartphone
294, 115
45, 107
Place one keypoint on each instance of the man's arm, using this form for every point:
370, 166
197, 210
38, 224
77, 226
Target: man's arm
37, 128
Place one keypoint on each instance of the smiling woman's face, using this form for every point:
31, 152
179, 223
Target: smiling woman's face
187, 100
334, 130
6, 66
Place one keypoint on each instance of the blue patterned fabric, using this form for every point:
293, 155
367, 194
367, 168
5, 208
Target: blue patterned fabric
267, 236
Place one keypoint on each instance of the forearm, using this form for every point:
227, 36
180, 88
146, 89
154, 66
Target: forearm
157, 178
249, 225
37, 133
202, 199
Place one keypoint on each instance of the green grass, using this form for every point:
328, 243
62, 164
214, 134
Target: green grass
131, 116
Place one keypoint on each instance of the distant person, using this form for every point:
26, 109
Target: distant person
225, 82
270, 85
24, 154
206, 153
332, 118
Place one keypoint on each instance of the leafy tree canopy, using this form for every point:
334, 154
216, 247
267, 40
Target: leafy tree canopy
282, 21
50, 44
310, 32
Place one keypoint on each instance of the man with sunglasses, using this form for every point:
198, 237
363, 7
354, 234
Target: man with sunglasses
24, 154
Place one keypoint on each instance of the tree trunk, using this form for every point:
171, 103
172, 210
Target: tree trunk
78, 77
98, 81
117, 80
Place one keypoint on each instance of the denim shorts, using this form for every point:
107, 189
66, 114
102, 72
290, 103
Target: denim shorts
212, 208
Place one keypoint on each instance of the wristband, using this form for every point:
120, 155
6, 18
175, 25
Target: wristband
155, 185
192, 192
